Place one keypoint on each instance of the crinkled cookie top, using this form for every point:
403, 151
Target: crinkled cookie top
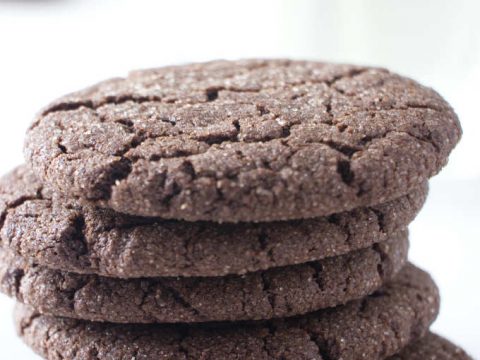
253, 140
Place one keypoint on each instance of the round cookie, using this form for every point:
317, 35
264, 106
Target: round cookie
432, 347
254, 140
376, 327
273, 293
84, 239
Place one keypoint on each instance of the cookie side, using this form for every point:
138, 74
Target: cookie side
376, 327
273, 293
432, 347
83, 239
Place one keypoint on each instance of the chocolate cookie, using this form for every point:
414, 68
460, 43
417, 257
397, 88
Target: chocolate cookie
375, 327
83, 239
255, 140
273, 293
432, 347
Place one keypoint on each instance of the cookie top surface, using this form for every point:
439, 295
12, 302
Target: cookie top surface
254, 140
432, 347
84, 239
274, 293
376, 327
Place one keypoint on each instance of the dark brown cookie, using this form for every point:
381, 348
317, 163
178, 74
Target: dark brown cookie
84, 239
273, 293
432, 347
256, 140
375, 327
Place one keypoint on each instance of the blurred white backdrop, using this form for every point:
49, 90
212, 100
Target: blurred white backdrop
48, 48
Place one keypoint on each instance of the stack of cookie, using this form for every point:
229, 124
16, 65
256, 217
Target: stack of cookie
229, 210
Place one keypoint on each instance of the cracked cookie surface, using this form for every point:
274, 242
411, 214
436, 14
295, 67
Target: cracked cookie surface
254, 140
376, 327
274, 293
64, 235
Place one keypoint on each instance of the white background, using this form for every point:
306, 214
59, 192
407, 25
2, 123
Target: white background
48, 48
